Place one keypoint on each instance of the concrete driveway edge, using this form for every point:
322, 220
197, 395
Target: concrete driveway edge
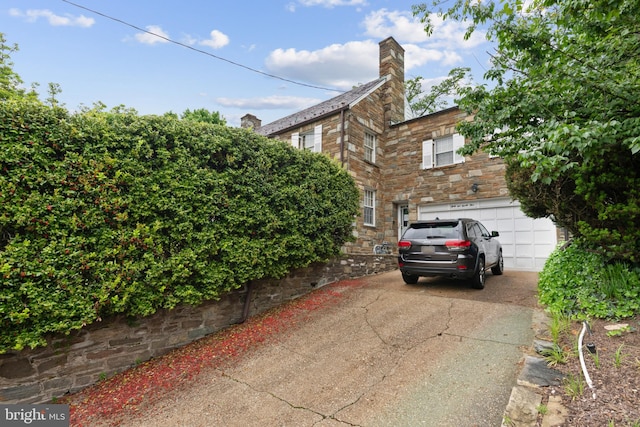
526, 397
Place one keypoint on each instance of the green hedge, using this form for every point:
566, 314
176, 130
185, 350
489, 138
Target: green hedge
106, 212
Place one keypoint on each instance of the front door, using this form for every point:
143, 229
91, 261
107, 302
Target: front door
403, 219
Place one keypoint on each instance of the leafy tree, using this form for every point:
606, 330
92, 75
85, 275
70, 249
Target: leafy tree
10, 81
204, 115
423, 102
54, 91
563, 111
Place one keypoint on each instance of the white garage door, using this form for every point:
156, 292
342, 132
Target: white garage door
526, 242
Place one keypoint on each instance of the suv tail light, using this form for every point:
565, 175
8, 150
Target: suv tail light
404, 244
458, 245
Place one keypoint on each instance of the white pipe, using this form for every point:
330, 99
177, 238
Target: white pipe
584, 368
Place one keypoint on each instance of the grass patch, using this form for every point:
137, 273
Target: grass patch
574, 386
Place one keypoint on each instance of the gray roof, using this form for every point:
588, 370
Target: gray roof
330, 106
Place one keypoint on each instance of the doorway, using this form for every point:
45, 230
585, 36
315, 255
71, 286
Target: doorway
403, 219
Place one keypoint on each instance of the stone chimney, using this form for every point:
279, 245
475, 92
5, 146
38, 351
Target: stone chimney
249, 121
392, 67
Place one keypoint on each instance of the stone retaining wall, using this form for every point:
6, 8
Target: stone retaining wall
70, 363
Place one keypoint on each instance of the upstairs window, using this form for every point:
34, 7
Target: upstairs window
442, 151
311, 141
370, 141
307, 141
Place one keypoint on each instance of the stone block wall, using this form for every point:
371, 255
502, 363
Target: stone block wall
70, 363
367, 117
407, 183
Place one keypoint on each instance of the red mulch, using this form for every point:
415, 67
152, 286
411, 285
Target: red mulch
128, 392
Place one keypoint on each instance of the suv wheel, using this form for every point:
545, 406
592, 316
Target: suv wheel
499, 267
477, 281
409, 279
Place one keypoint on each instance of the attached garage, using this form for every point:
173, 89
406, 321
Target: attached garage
526, 242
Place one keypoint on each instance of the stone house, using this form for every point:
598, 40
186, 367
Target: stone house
409, 170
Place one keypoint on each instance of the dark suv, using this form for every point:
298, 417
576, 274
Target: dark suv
458, 248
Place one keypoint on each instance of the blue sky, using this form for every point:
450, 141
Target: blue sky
316, 48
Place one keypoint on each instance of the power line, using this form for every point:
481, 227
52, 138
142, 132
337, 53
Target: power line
199, 50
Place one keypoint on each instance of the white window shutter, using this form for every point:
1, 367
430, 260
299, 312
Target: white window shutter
427, 154
295, 140
317, 139
458, 142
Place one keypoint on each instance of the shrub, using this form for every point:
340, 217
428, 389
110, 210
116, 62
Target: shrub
583, 283
104, 213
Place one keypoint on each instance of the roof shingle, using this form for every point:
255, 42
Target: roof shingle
329, 106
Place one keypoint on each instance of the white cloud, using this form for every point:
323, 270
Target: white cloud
217, 40
450, 34
343, 66
188, 40
152, 36
446, 46
403, 26
269, 102
416, 56
340, 66
68, 20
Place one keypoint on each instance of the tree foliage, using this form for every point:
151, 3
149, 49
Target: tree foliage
10, 81
105, 213
563, 111
436, 98
203, 115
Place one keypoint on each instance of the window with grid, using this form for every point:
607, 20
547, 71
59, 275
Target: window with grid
443, 148
369, 213
370, 147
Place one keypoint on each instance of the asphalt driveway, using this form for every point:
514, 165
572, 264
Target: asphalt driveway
437, 353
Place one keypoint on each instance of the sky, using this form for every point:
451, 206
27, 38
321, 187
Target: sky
266, 58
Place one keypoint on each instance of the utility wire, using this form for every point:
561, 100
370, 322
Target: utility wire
200, 50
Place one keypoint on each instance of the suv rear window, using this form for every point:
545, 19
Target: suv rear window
432, 230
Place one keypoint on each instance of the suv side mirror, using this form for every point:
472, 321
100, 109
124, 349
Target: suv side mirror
494, 234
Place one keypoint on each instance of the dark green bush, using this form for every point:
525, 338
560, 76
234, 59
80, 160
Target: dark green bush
104, 213
596, 200
580, 282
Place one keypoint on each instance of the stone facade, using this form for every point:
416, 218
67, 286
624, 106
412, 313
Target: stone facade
343, 132
70, 363
407, 183
395, 175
